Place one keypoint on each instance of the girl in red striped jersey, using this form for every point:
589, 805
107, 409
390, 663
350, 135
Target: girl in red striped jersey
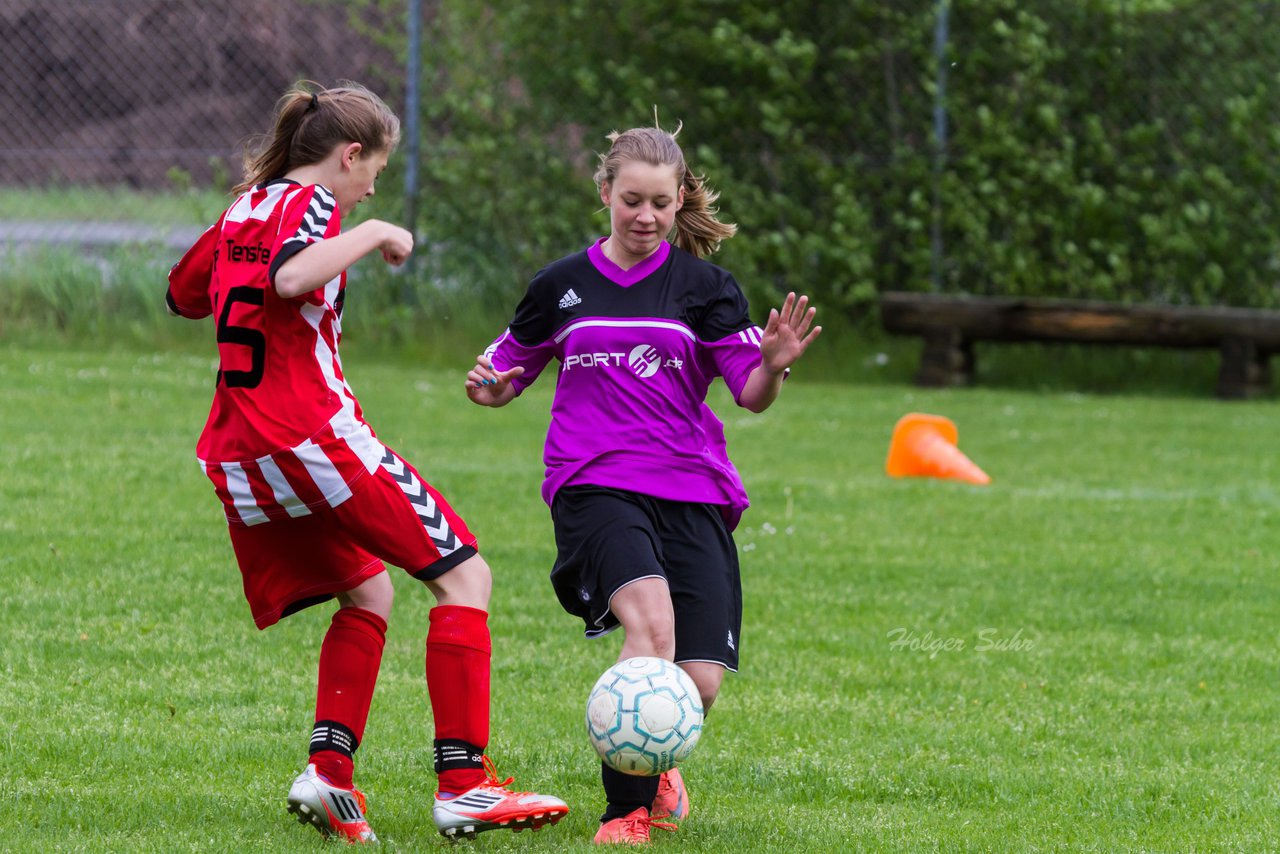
315, 503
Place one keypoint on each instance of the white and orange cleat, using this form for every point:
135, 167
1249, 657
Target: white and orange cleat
631, 829
672, 800
492, 806
331, 810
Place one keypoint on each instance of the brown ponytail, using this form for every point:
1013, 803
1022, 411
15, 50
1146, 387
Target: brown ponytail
698, 232
310, 121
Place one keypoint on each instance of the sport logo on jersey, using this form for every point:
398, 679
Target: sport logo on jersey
643, 360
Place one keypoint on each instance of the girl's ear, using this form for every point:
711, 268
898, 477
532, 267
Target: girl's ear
351, 153
604, 193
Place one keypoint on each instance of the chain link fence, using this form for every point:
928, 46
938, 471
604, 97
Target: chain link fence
1042, 121
151, 96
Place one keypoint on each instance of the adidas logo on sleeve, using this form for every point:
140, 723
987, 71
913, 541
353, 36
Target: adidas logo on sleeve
569, 299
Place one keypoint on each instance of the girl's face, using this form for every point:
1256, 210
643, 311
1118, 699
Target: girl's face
642, 201
360, 170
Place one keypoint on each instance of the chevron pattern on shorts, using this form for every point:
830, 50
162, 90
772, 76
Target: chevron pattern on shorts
433, 521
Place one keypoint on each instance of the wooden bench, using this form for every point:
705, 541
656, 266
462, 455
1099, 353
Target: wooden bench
950, 325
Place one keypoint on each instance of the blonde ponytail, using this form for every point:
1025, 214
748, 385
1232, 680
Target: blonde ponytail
698, 231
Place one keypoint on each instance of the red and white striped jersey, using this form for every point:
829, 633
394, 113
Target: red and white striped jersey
285, 432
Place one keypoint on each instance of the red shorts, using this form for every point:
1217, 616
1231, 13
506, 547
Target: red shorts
393, 515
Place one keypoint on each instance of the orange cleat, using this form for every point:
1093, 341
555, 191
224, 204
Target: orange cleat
329, 809
631, 829
492, 806
672, 800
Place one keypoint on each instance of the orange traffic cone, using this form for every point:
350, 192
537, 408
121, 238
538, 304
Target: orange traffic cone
925, 446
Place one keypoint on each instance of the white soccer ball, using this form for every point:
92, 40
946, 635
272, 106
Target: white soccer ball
644, 715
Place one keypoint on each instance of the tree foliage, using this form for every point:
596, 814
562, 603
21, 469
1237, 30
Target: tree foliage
1116, 149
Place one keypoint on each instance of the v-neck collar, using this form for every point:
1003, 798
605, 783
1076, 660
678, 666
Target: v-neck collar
619, 276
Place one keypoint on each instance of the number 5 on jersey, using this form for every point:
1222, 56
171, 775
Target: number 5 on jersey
254, 339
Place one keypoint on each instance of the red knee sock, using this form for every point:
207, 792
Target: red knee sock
349, 660
458, 653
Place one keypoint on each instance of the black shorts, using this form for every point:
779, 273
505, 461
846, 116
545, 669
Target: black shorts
608, 538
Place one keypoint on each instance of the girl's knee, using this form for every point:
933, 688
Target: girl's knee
645, 612
708, 677
648, 638
375, 594
662, 635
469, 584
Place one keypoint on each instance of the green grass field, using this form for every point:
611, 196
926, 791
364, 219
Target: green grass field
181, 205
1079, 657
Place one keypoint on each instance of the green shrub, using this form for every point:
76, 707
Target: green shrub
1112, 149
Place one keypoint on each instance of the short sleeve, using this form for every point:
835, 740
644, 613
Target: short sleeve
308, 218
729, 337
528, 341
726, 313
191, 278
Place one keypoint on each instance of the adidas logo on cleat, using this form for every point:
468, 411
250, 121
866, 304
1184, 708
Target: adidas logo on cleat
329, 809
492, 806
570, 299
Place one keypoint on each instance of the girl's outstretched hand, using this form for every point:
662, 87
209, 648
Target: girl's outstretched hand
787, 334
489, 387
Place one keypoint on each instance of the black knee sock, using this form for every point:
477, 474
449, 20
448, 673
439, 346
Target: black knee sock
626, 793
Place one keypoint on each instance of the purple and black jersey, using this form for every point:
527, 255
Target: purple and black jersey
638, 350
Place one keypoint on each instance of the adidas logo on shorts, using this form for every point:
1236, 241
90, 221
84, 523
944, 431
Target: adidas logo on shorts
570, 299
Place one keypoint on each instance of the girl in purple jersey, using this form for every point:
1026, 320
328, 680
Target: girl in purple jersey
643, 496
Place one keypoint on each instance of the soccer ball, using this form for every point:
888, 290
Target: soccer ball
644, 715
